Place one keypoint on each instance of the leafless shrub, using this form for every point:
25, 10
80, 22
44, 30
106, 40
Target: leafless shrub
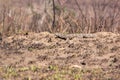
99, 15
84, 16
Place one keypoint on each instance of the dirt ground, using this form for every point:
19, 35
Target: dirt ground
46, 56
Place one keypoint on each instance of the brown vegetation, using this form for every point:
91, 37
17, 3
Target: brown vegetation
92, 53
84, 16
45, 56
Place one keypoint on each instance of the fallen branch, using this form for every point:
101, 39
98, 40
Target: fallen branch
71, 36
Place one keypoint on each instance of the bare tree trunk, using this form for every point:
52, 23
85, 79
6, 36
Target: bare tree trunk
4, 16
53, 25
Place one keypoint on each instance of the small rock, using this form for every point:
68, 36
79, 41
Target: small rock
114, 60
76, 66
83, 63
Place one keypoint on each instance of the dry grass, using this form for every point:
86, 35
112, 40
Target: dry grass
82, 17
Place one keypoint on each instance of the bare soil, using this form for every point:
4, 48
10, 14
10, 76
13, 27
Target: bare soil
46, 56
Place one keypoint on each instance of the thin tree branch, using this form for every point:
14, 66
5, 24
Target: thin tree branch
54, 18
